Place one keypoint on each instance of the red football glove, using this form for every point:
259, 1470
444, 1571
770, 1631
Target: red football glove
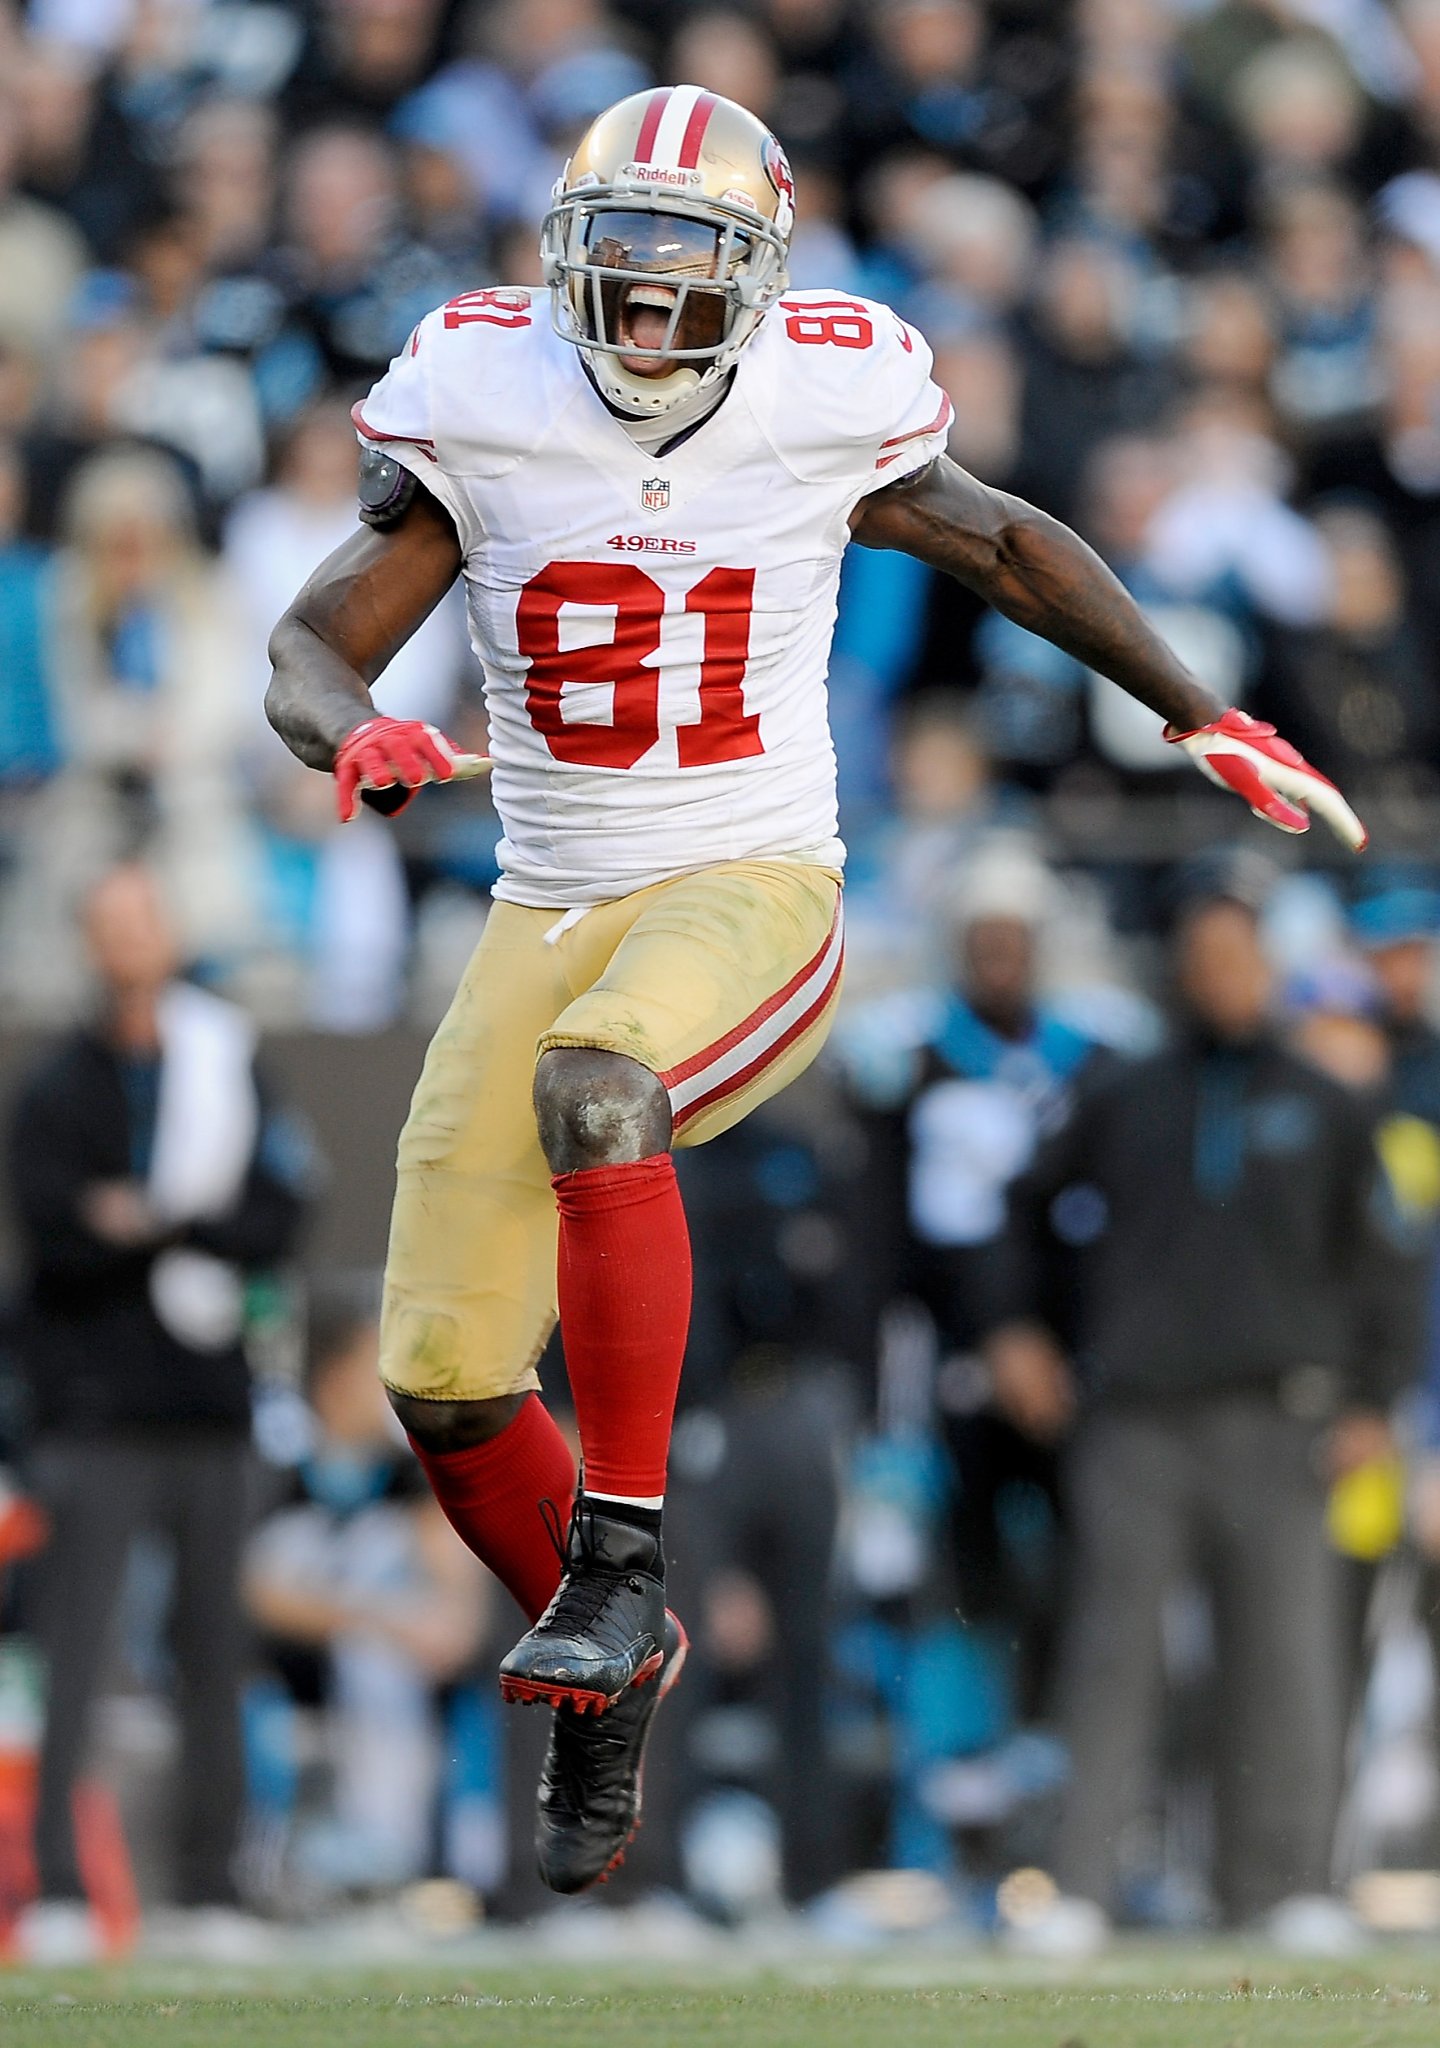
384, 753
1248, 756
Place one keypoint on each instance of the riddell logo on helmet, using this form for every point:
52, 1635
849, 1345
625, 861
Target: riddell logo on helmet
650, 544
660, 174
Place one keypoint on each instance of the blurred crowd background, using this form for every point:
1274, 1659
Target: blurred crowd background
1057, 1484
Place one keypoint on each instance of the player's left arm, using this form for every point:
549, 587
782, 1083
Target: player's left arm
1044, 577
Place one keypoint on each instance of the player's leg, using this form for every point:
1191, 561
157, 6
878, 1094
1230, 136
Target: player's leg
721, 988
470, 1276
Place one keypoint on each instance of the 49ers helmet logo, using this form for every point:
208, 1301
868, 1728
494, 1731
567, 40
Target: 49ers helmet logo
655, 493
777, 170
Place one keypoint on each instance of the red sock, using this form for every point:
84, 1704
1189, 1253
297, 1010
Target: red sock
624, 1282
491, 1495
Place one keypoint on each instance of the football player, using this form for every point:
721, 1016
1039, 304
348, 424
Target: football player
647, 485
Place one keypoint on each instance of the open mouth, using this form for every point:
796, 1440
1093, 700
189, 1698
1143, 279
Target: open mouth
645, 321
660, 287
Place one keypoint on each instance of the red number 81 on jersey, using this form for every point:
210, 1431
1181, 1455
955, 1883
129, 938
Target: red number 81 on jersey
725, 731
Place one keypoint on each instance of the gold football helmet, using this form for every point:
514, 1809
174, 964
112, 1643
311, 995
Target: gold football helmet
666, 240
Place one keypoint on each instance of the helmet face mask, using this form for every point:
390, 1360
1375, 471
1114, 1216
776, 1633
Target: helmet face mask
650, 265
610, 253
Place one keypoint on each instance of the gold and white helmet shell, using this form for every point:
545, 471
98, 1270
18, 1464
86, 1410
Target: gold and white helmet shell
711, 185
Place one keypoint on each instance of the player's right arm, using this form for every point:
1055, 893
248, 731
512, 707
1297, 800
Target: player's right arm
363, 604
358, 609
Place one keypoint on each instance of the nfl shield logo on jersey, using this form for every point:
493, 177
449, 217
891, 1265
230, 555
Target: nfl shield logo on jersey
655, 493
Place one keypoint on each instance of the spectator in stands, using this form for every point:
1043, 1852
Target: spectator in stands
446, 210
890, 199
812, 44
1122, 157
937, 73
1234, 1340
355, 283
150, 1176
29, 746
1398, 929
979, 372
361, 56
973, 240
1300, 110
339, 905
198, 401
822, 253
41, 251
369, 1608
730, 54
93, 138
1227, 520
1230, 339
150, 713
1085, 379
224, 180
1318, 267
80, 405
1357, 688
904, 867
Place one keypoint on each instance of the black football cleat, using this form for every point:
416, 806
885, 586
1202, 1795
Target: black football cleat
588, 1812
605, 1629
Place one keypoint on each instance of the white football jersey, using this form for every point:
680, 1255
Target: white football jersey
655, 629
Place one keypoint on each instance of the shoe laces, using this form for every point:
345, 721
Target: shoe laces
581, 1596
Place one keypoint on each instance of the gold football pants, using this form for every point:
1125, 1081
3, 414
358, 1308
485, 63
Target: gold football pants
723, 983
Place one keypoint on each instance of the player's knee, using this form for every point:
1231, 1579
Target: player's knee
441, 1426
598, 1109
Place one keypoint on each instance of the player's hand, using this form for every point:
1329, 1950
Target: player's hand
398, 754
1248, 756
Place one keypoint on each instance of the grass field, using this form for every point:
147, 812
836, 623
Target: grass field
1140, 1998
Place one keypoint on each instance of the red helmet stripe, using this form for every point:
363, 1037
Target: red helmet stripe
650, 126
695, 128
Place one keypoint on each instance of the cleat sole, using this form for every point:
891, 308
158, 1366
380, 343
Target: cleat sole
580, 1699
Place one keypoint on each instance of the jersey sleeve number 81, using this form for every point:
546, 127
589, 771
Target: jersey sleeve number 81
725, 731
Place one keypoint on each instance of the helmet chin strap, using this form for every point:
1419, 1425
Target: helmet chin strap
643, 397
657, 429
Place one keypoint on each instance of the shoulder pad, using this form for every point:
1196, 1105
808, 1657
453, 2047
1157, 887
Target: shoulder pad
385, 488
487, 363
843, 387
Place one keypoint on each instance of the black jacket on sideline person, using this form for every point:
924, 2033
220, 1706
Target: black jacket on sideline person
1235, 1232
95, 1355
